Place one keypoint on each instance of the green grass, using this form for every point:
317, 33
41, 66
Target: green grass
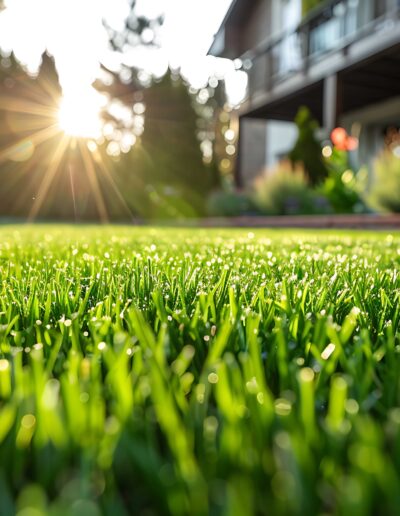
198, 372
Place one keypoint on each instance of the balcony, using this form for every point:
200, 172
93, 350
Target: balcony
332, 28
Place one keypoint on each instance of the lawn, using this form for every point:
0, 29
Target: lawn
224, 372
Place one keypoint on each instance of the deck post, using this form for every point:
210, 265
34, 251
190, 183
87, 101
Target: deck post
332, 99
251, 157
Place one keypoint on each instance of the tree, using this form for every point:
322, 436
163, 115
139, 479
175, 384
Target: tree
166, 164
170, 137
223, 126
307, 149
167, 160
28, 108
134, 31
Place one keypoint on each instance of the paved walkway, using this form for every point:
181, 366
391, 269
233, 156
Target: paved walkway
305, 221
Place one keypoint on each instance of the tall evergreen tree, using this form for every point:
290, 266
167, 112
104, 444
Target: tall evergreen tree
48, 80
307, 149
170, 138
168, 161
28, 109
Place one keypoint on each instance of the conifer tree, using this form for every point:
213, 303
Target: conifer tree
28, 106
307, 149
170, 137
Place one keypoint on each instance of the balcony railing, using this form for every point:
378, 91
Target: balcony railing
333, 26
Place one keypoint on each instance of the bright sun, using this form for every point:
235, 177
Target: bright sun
79, 115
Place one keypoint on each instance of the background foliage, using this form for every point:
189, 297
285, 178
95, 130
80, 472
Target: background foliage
385, 190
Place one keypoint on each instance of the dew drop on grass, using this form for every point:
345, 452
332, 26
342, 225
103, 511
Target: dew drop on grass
283, 407
352, 406
200, 392
252, 385
28, 421
327, 352
210, 425
84, 397
213, 378
50, 394
4, 364
282, 440
306, 375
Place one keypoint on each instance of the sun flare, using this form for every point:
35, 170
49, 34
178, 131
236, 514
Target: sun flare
79, 116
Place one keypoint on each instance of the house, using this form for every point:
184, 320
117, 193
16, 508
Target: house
341, 58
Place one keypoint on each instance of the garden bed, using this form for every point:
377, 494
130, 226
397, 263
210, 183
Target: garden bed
364, 221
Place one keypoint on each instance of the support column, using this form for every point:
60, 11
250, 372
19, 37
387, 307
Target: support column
332, 102
251, 159
391, 7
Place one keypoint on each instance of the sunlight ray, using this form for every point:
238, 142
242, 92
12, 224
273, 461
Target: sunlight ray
49, 176
91, 173
71, 179
11, 104
36, 138
108, 176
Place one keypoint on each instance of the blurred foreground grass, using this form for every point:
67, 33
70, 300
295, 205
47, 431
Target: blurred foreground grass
165, 371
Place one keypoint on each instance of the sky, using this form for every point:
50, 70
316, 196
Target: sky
72, 30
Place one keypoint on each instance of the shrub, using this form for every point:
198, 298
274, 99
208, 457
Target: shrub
224, 203
307, 149
285, 191
342, 186
385, 189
